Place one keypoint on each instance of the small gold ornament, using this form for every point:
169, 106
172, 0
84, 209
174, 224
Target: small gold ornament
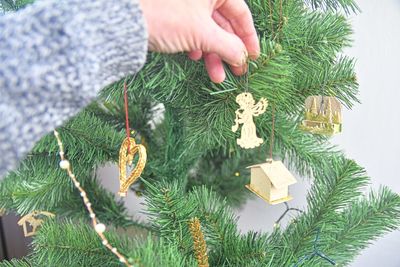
126, 159
244, 115
323, 115
33, 220
270, 181
199, 243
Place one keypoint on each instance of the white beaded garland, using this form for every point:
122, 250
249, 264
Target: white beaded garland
64, 164
100, 228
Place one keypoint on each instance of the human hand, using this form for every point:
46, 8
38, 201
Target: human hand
213, 29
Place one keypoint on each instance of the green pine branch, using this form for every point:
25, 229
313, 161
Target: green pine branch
170, 209
16, 263
170, 212
336, 189
86, 138
307, 154
364, 220
13, 5
348, 6
40, 184
77, 244
225, 174
337, 80
315, 36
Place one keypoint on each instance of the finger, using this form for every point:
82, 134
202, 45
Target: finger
195, 55
222, 21
227, 45
226, 25
214, 67
239, 70
239, 16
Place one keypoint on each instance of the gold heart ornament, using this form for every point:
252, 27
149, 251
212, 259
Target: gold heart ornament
126, 159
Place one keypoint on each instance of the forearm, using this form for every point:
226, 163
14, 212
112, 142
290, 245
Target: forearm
55, 57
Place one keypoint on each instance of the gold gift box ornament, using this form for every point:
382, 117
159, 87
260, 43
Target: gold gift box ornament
323, 115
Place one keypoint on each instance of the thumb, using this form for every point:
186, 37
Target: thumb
227, 45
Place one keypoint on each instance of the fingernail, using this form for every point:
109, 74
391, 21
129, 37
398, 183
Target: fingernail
254, 55
243, 59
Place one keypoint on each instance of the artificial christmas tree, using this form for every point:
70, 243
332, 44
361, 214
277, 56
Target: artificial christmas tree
193, 159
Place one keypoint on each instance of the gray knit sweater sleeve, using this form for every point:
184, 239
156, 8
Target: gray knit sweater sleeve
54, 58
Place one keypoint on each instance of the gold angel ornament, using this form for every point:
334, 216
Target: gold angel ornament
244, 115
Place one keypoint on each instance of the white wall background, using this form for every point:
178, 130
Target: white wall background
371, 131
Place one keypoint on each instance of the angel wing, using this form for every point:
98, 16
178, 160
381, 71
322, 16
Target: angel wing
260, 107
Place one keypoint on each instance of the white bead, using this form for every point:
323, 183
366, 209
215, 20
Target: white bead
83, 194
100, 228
114, 250
105, 242
92, 215
64, 164
89, 204
77, 184
122, 260
122, 194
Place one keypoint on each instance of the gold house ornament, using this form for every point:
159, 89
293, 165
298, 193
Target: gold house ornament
323, 115
33, 220
270, 181
244, 115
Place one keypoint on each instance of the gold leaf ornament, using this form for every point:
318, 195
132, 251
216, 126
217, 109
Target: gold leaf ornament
244, 115
126, 159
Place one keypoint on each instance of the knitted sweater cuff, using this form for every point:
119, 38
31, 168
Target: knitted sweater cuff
56, 56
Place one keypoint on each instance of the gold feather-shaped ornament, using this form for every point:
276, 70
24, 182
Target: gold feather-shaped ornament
127, 152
